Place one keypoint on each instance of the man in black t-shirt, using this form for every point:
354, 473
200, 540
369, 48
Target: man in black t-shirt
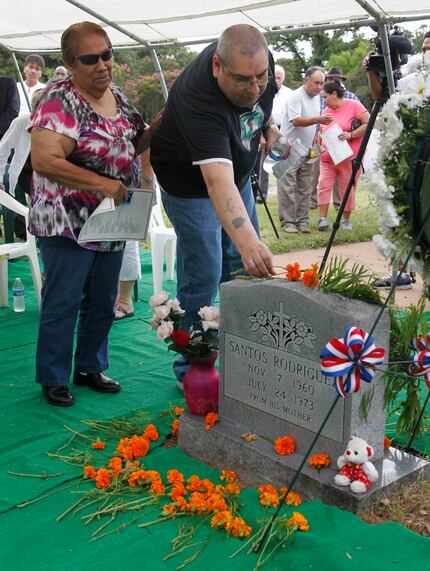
203, 152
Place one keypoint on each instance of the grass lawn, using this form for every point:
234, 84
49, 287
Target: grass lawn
364, 222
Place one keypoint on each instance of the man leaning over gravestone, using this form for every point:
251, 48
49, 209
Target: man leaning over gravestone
302, 115
203, 152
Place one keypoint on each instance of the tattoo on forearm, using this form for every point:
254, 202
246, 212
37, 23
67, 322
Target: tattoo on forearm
229, 207
238, 222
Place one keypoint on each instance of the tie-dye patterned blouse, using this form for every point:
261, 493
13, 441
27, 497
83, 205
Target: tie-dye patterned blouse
105, 145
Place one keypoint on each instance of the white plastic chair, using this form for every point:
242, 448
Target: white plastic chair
10, 251
163, 239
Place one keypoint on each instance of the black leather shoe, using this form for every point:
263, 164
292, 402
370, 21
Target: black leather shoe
96, 381
58, 396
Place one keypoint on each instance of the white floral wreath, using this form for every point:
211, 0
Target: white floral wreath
393, 165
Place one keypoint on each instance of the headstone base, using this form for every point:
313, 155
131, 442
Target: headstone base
256, 463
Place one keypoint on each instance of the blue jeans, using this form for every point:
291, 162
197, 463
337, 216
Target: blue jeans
77, 282
206, 256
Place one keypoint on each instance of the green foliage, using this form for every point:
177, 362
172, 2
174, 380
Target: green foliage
401, 387
354, 283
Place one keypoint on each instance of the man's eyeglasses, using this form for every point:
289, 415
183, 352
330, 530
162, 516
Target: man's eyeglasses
92, 59
243, 83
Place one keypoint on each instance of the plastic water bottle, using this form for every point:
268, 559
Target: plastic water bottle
279, 149
18, 296
276, 153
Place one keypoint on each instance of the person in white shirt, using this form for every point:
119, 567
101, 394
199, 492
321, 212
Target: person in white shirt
278, 110
33, 69
280, 100
301, 117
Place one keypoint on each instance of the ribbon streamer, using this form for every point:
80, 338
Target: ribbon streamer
419, 363
351, 359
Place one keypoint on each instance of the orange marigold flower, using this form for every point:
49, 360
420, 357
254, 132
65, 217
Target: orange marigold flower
298, 521
175, 477
137, 477
181, 504
229, 476
232, 489
216, 503
293, 272
103, 478
175, 427
178, 410
168, 510
177, 491
151, 433
197, 503
98, 445
90, 472
319, 461
268, 496
310, 277
210, 420
157, 487
285, 445
239, 528
222, 520
115, 464
387, 442
292, 498
134, 447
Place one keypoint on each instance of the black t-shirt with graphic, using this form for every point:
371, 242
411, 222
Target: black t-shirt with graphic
200, 124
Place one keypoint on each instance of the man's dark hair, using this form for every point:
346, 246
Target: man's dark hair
239, 39
311, 70
426, 35
36, 59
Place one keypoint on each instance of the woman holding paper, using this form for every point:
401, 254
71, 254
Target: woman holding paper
350, 118
84, 138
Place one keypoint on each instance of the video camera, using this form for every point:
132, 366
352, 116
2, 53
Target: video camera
400, 47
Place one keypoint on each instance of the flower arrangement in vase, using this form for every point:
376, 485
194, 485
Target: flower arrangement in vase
199, 346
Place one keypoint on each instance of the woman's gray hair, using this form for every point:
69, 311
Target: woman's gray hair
239, 39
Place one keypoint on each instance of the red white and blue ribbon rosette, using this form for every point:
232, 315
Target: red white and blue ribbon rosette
420, 358
351, 359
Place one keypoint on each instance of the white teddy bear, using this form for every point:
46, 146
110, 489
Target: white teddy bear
355, 469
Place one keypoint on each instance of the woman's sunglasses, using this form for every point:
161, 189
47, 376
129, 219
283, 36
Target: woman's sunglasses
92, 59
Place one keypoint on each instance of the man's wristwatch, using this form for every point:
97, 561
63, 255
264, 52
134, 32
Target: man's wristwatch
268, 126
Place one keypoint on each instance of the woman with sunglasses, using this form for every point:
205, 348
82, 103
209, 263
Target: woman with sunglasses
85, 136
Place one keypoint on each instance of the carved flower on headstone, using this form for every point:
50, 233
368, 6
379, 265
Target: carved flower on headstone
280, 329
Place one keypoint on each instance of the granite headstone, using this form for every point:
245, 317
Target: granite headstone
271, 336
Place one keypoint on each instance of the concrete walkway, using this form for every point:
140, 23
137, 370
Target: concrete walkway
364, 253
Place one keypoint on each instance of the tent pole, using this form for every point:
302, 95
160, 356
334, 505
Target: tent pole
21, 81
138, 39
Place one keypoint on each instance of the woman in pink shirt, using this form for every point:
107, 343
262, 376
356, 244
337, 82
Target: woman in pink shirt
346, 113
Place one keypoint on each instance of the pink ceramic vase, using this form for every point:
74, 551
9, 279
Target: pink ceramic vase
201, 383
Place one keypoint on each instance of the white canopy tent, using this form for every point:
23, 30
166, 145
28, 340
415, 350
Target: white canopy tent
37, 25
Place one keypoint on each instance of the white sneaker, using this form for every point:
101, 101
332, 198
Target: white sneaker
323, 224
346, 224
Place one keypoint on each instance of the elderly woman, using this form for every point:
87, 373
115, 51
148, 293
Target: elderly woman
352, 117
84, 138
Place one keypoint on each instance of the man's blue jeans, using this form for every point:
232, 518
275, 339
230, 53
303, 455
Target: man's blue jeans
206, 256
77, 282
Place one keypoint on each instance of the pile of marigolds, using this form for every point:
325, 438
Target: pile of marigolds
126, 474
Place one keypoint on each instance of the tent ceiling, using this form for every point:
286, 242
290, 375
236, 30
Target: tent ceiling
36, 25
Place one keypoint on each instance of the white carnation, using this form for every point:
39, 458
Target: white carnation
384, 246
